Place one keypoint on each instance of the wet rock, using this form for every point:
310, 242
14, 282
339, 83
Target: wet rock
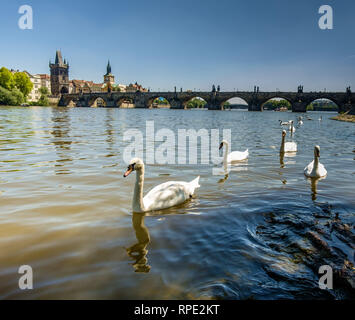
318, 242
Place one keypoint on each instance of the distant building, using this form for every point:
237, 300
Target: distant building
46, 81
60, 83
109, 78
83, 86
135, 87
59, 75
34, 95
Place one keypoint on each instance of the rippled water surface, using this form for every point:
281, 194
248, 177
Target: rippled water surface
262, 233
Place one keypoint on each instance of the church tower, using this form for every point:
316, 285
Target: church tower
59, 75
109, 78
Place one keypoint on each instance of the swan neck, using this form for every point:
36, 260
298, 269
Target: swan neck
138, 192
316, 162
226, 152
282, 149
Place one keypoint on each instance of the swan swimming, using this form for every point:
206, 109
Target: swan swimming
287, 146
233, 156
291, 127
287, 123
162, 196
315, 169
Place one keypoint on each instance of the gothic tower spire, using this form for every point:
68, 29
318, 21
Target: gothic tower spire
108, 68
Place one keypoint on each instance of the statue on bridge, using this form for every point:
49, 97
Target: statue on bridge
300, 89
213, 88
348, 90
218, 88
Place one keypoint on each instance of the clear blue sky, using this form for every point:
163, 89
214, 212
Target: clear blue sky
187, 43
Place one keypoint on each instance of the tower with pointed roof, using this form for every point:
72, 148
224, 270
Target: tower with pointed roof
109, 78
59, 75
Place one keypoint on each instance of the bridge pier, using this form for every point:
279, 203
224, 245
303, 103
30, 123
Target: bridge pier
176, 104
299, 106
346, 107
255, 107
140, 102
210, 106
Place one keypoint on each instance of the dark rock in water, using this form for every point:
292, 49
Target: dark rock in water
301, 244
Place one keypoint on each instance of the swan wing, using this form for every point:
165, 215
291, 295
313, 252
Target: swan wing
308, 169
169, 194
310, 172
238, 156
322, 171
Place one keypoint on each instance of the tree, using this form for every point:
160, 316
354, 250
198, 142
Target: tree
43, 100
44, 91
196, 103
6, 79
23, 83
12, 97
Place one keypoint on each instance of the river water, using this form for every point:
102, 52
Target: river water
260, 233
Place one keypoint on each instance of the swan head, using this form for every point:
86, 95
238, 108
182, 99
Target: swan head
317, 151
284, 133
223, 143
135, 164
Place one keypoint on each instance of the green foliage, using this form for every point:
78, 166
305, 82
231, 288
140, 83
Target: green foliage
6, 79
44, 91
275, 104
23, 83
196, 103
322, 105
43, 100
12, 97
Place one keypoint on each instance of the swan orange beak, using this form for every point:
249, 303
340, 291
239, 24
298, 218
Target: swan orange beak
129, 170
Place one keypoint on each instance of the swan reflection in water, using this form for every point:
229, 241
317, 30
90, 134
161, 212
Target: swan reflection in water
284, 155
235, 166
314, 185
139, 251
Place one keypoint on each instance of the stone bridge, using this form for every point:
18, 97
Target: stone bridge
215, 100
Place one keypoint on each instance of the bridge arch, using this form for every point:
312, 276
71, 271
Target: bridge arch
125, 102
195, 102
158, 102
235, 102
97, 102
71, 103
275, 102
64, 90
323, 104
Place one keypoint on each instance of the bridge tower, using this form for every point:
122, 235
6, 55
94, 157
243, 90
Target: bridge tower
59, 75
109, 78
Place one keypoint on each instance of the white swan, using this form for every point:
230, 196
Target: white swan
287, 146
287, 123
163, 196
291, 127
233, 156
315, 169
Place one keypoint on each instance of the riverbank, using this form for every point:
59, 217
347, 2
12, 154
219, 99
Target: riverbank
344, 117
